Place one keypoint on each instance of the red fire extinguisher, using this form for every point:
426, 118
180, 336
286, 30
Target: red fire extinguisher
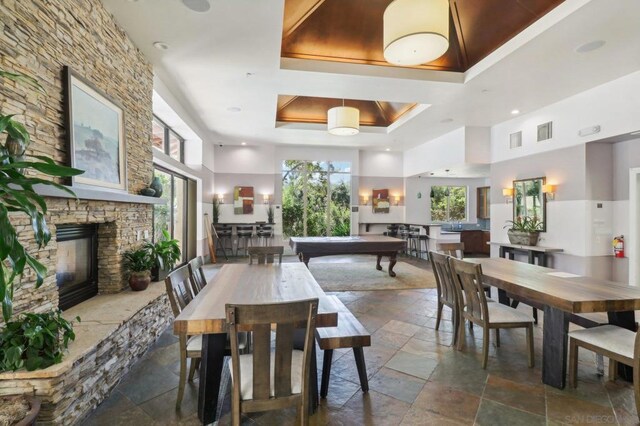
618, 246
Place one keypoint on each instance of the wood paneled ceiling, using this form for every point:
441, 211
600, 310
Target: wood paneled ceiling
307, 109
351, 30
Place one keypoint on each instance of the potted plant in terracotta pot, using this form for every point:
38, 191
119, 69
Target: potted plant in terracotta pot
138, 262
524, 231
165, 253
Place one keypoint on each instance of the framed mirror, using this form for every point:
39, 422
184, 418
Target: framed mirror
529, 201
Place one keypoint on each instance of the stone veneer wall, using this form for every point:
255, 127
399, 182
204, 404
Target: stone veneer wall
71, 393
39, 38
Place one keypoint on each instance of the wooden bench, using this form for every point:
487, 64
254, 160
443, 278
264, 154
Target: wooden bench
348, 334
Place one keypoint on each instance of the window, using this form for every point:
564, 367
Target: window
172, 216
165, 140
316, 198
448, 203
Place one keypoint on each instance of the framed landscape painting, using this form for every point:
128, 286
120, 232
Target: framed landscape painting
95, 129
380, 201
243, 200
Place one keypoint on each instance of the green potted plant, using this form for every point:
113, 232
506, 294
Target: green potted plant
165, 253
216, 210
139, 263
524, 231
270, 214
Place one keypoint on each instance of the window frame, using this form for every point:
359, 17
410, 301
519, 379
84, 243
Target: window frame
448, 203
166, 143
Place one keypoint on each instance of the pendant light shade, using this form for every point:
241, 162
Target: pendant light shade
415, 31
343, 121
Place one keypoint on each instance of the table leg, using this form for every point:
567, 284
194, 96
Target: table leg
392, 263
625, 319
554, 347
210, 373
501, 254
378, 266
503, 298
530, 258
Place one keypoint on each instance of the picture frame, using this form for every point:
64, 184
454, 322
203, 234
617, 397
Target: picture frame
380, 201
243, 198
95, 135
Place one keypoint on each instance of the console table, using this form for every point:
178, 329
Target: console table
533, 252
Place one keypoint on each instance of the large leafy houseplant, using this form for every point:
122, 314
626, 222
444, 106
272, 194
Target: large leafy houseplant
17, 195
139, 263
165, 254
34, 341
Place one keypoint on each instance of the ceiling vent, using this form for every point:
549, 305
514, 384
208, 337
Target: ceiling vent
545, 131
515, 140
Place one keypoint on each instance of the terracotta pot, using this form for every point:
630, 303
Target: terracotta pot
139, 281
34, 410
523, 238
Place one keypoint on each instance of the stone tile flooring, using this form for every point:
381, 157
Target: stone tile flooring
415, 377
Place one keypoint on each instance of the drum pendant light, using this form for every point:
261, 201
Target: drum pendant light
343, 121
415, 32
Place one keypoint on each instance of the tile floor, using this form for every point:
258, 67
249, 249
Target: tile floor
415, 377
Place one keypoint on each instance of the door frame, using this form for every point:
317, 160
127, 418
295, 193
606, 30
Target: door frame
632, 244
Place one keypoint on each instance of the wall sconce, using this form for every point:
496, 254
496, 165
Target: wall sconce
396, 199
549, 190
365, 200
507, 193
220, 198
266, 198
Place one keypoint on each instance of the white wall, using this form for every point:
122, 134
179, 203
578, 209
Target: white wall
381, 164
444, 151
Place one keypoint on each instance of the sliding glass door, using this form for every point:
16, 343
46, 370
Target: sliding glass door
316, 198
173, 215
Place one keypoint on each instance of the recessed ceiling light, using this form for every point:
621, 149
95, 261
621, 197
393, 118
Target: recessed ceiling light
243, 143
515, 111
199, 6
234, 109
591, 46
388, 149
446, 120
160, 45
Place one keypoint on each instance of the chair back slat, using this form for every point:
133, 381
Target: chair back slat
261, 370
179, 289
284, 349
448, 290
265, 254
260, 319
197, 274
452, 249
469, 277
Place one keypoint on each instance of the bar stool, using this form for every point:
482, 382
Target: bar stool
264, 232
403, 232
245, 235
412, 238
392, 230
421, 246
224, 238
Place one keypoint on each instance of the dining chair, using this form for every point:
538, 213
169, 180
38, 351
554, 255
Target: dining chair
448, 294
452, 249
487, 315
616, 343
264, 255
180, 291
198, 278
271, 379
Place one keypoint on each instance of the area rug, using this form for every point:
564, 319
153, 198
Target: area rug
360, 276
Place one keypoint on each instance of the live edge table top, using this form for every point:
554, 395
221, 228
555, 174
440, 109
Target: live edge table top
366, 244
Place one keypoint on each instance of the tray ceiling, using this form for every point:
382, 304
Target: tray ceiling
351, 31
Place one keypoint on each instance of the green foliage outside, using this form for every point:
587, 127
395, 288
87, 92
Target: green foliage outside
311, 179
161, 212
448, 203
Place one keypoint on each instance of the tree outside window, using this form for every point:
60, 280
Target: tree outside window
448, 203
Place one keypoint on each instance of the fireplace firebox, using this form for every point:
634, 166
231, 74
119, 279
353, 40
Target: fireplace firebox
77, 263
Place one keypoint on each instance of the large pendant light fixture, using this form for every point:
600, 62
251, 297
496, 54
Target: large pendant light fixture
415, 31
343, 120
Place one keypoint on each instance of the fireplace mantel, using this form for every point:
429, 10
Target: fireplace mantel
97, 194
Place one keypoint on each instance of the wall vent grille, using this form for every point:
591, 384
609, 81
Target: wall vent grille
545, 131
515, 140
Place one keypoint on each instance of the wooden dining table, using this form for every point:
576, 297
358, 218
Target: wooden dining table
242, 284
560, 295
